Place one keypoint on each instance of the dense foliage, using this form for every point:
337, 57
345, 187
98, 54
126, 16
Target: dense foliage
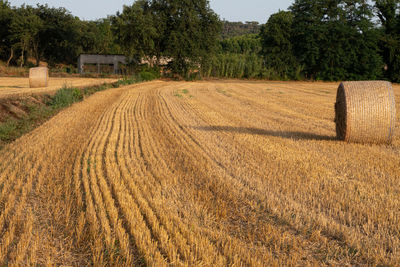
336, 40
277, 48
315, 39
183, 33
50, 34
234, 29
389, 15
237, 57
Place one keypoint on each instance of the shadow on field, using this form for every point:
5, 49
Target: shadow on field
256, 131
15, 86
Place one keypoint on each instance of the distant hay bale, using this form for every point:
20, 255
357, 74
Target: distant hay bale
365, 112
38, 77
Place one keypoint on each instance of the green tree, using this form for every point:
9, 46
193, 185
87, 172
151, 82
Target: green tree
105, 41
189, 32
87, 36
236, 57
25, 28
308, 32
6, 16
277, 49
336, 39
233, 29
389, 16
244, 44
97, 37
184, 32
59, 38
135, 31
362, 50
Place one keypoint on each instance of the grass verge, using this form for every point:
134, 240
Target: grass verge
46, 106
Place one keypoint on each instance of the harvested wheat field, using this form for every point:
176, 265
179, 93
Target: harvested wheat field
10, 86
201, 174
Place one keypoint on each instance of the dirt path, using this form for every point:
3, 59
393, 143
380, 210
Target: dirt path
208, 173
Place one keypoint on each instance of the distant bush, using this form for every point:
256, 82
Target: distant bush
7, 129
233, 65
142, 76
66, 97
194, 76
124, 81
146, 76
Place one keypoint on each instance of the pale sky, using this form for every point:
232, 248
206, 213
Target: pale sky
231, 10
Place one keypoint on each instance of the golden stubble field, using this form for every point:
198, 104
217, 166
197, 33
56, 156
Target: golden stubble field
10, 86
201, 174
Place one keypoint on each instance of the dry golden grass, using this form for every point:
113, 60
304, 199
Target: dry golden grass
10, 86
208, 174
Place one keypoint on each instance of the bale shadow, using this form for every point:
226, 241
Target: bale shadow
256, 131
15, 86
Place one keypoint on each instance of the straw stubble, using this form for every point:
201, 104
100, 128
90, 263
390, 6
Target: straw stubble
142, 176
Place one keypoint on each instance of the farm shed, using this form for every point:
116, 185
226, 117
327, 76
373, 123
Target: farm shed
99, 60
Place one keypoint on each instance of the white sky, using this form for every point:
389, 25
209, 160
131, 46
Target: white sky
231, 10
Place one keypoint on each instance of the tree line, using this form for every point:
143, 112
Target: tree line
50, 34
233, 29
314, 39
331, 40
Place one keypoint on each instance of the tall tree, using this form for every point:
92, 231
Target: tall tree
389, 15
184, 32
244, 44
236, 57
6, 16
277, 48
59, 36
233, 29
189, 31
308, 32
336, 39
135, 31
25, 28
106, 41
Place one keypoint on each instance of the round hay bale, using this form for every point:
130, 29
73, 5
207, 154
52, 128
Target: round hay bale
365, 112
38, 77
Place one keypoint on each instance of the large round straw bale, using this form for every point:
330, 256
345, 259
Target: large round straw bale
38, 77
365, 112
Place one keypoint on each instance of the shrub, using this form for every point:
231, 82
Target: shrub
146, 76
66, 97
